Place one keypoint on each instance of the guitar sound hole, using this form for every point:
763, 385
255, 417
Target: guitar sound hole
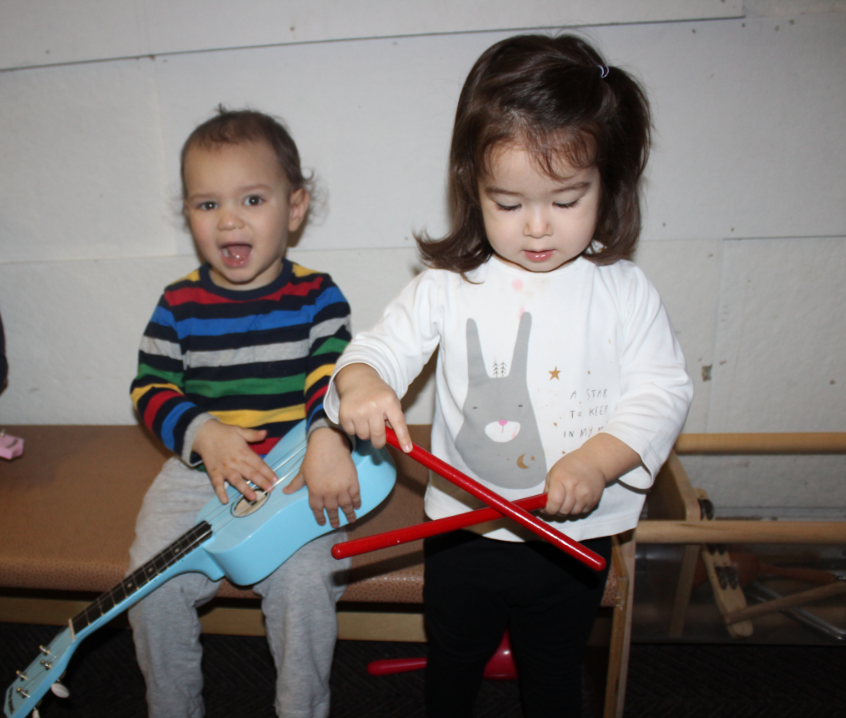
245, 508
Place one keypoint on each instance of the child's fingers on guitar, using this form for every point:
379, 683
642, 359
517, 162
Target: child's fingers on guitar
334, 517
296, 484
333, 506
219, 481
219, 486
260, 474
349, 503
318, 506
243, 487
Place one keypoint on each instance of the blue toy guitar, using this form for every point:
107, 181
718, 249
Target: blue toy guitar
244, 541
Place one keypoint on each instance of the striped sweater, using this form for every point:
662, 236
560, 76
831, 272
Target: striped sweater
259, 359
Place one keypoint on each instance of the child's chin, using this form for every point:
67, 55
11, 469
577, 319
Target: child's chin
232, 279
550, 265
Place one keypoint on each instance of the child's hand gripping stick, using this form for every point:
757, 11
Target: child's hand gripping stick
502, 506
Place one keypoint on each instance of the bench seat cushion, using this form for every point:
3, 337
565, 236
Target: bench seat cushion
71, 500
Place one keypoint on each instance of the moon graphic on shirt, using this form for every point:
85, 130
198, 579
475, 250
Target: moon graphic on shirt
521, 463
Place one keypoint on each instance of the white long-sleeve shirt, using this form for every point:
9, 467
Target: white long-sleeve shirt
530, 366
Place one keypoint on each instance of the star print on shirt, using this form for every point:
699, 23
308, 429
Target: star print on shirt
554, 374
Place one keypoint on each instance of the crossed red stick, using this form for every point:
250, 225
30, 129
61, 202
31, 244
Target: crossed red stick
499, 507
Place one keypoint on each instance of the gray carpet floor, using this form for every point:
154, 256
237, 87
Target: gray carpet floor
665, 681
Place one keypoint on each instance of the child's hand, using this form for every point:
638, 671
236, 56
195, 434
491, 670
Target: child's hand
573, 486
575, 483
228, 458
329, 472
367, 403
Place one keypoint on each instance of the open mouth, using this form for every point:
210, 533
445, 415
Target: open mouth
236, 255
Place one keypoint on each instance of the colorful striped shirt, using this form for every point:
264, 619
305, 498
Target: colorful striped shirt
259, 359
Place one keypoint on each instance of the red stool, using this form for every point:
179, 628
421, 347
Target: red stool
499, 668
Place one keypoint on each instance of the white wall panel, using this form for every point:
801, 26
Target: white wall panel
781, 337
751, 125
687, 275
43, 32
174, 26
82, 164
49, 32
72, 334
790, 8
796, 487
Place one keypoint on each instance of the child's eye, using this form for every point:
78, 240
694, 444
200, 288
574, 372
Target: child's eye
207, 205
566, 205
254, 200
507, 207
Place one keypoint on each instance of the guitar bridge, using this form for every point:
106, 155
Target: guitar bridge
244, 508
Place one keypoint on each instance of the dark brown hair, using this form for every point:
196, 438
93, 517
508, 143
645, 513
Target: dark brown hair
557, 98
235, 127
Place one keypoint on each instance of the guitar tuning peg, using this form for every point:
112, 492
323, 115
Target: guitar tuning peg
59, 690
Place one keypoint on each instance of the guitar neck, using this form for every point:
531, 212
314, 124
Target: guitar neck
149, 576
25, 693
246, 542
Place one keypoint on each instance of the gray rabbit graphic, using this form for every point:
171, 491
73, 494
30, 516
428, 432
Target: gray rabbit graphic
499, 439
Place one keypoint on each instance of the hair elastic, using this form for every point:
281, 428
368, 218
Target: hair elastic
603, 71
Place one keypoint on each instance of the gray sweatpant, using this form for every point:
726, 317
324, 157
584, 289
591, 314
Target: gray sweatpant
298, 601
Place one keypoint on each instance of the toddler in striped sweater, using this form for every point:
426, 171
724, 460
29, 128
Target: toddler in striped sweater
236, 354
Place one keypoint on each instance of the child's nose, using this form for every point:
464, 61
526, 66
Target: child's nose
229, 220
537, 225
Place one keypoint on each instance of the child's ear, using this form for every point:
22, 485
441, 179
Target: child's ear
299, 207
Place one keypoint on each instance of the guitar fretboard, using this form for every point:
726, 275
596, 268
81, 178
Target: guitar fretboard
140, 578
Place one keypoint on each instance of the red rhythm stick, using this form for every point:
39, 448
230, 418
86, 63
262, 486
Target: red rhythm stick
366, 544
504, 507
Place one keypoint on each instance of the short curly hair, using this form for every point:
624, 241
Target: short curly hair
233, 127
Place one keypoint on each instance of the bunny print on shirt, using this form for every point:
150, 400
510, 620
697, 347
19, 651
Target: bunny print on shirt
499, 440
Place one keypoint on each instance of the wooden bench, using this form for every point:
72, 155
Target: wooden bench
70, 504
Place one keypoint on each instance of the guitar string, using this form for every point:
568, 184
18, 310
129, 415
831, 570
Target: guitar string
297, 452
294, 454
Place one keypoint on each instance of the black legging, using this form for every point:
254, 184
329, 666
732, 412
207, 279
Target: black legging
475, 588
